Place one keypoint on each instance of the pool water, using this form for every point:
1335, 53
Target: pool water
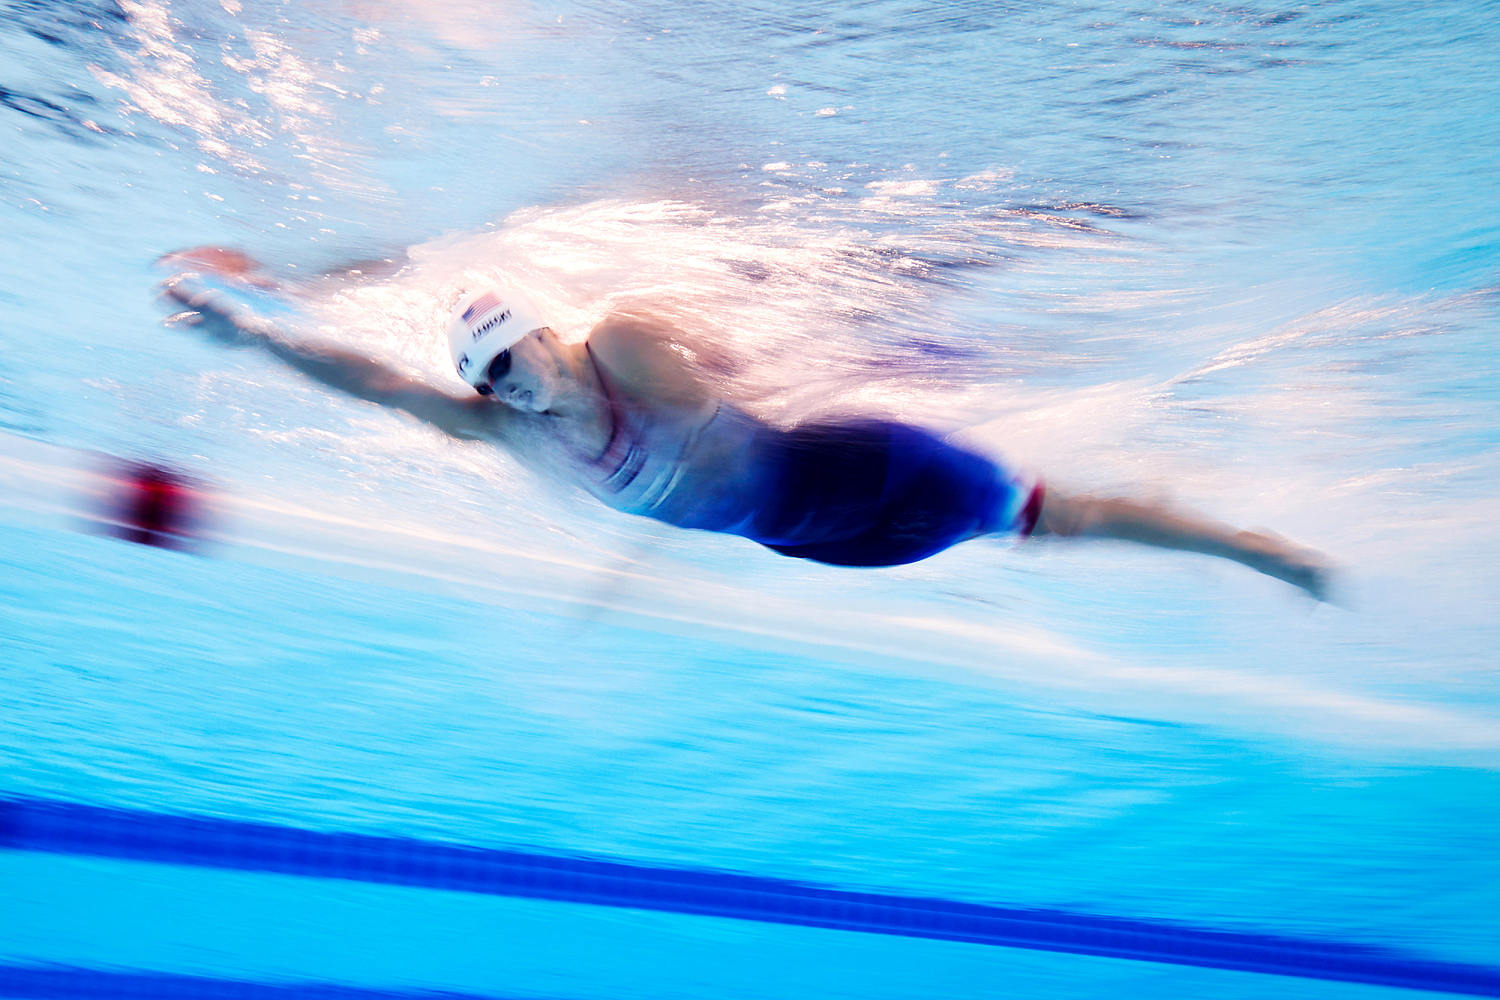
1240, 257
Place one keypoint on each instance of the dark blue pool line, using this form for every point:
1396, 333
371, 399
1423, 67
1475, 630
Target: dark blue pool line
64, 982
70, 828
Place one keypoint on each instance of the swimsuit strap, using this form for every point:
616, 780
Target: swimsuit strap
620, 461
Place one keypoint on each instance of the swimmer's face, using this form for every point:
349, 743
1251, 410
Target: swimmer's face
525, 376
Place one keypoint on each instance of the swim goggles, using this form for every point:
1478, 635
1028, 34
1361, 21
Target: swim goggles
494, 373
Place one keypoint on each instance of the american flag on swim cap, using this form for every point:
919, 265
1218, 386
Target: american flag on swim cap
480, 306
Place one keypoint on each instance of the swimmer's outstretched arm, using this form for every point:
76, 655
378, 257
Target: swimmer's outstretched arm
348, 372
1081, 516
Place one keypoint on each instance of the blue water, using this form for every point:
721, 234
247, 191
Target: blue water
1244, 257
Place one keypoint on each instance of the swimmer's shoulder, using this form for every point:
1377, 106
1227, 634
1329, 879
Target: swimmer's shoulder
644, 356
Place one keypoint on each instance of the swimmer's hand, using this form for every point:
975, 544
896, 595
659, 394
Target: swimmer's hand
207, 282
211, 311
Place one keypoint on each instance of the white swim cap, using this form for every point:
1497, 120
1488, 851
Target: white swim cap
484, 324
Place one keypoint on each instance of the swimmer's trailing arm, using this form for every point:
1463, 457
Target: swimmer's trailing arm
357, 375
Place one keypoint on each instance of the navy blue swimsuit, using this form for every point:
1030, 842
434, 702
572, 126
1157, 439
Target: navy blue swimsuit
878, 493
850, 493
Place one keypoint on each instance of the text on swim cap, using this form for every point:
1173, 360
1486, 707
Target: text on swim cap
489, 324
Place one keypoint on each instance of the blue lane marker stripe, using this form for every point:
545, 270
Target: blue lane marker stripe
66, 982
70, 828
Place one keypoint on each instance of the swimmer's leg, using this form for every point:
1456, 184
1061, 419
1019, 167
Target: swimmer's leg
1082, 516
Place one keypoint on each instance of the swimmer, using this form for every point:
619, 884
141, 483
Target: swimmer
628, 417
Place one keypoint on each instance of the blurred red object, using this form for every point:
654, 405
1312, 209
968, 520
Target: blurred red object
154, 505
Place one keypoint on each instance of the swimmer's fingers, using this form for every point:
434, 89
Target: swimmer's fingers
206, 310
216, 312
